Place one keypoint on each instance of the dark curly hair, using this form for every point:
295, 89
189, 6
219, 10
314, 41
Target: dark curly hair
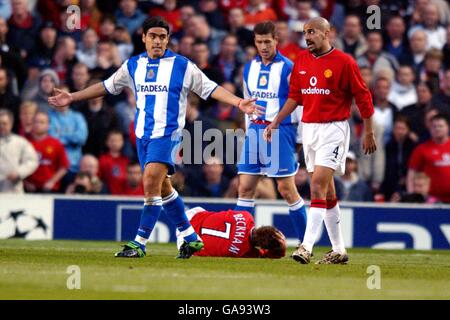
271, 239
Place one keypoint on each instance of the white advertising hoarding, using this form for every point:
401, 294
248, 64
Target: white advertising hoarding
26, 216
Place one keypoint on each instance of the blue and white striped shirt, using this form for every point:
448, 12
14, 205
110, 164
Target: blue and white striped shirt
161, 87
269, 84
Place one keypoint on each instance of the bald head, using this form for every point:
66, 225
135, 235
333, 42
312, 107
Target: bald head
318, 23
316, 32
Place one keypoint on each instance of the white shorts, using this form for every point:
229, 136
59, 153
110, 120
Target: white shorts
326, 144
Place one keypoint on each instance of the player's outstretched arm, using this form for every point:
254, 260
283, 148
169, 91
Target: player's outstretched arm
287, 109
64, 98
369, 144
245, 105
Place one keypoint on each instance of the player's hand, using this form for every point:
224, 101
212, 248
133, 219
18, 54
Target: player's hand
60, 98
249, 107
369, 144
267, 134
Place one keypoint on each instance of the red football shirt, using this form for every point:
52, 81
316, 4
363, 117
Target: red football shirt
325, 85
52, 157
113, 171
225, 234
290, 51
434, 160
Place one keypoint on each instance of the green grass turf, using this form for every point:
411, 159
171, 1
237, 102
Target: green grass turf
37, 270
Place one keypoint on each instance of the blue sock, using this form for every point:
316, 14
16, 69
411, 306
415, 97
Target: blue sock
149, 216
174, 207
245, 205
297, 212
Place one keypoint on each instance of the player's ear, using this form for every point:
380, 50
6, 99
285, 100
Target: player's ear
143, 37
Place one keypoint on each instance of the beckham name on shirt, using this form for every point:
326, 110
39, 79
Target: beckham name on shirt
151, 88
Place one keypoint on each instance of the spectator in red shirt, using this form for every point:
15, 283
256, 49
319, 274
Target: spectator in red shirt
133, 185
64, 58
113, 165
227, 5
90, 15
433, 158
286, 47
53, 162
258, 11
170, 13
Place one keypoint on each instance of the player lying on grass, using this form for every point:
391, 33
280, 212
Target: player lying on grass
233, 234
161, 81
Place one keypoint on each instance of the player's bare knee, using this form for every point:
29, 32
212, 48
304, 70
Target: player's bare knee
318, 190
152, 186
288, 192
246, 191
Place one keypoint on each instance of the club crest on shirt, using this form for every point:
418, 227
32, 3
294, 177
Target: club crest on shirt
328, 73
263, 81
150, 73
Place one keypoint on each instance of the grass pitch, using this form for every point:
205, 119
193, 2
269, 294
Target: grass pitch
38, 270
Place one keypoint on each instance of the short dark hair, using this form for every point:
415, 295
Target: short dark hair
268, 238
404, 119
440, 116
265, 27
155, 22
198, 42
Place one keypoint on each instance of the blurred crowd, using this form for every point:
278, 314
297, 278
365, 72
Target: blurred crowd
90, 147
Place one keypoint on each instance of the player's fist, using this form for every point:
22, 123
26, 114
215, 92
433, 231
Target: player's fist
60, 98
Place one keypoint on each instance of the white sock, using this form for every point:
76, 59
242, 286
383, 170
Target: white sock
333, 225
141, 240
313, 224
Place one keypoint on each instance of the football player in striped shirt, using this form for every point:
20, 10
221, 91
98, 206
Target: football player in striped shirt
266, 78
161, 81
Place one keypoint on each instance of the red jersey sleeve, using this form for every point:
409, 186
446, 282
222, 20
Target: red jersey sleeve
417, 160
359, 90
294, 84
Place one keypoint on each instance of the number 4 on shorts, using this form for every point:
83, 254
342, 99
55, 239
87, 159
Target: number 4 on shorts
336, 152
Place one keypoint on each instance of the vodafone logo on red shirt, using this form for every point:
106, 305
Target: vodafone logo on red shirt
313, 90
